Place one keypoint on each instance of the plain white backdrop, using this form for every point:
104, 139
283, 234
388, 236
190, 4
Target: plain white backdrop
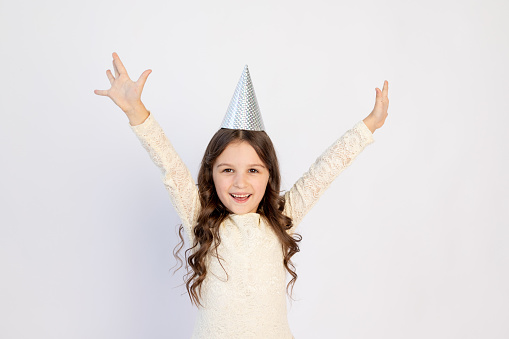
409, 242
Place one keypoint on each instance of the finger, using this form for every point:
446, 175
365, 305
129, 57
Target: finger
117, 74
120, 66
386, 88
143, 77
110, 77
101, 92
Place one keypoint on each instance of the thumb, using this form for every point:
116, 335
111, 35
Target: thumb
143, 77
379, 96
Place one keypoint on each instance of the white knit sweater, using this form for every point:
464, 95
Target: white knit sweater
249, 300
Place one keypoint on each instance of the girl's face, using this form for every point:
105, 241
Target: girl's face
240, 178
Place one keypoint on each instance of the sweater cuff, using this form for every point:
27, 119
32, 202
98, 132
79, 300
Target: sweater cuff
364, 131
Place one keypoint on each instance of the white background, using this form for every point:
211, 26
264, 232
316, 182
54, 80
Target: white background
409, 242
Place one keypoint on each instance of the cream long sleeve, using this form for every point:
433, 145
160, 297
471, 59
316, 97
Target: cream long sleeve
246, 299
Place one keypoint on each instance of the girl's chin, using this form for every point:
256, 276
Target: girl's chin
239, 210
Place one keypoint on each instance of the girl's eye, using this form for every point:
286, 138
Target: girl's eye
228, 170
253, 170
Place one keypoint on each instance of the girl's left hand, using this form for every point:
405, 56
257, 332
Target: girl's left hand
377, 117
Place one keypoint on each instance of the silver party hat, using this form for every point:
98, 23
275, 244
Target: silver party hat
243, 112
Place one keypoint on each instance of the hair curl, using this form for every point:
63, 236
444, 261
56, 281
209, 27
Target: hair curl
213, 212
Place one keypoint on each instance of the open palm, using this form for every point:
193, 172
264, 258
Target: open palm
124, 92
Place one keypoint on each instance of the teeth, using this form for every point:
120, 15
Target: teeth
241, 196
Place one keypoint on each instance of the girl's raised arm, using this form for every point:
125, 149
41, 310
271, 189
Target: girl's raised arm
176, 177
308, 189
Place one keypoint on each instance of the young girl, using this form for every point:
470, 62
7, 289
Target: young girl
241, 231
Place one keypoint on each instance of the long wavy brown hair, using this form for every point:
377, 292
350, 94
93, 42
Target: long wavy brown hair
213, 212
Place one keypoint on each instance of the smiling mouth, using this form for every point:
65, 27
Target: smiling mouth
240, 198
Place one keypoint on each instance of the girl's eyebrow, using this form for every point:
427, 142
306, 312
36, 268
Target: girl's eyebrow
230, 165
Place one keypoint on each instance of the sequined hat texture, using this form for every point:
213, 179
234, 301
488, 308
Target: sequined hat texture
243, 112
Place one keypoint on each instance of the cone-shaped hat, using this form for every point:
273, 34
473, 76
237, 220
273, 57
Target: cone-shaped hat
243, 112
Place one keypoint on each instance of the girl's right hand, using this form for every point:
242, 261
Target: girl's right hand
125, 93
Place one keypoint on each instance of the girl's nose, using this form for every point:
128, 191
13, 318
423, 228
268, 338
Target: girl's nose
240, 181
